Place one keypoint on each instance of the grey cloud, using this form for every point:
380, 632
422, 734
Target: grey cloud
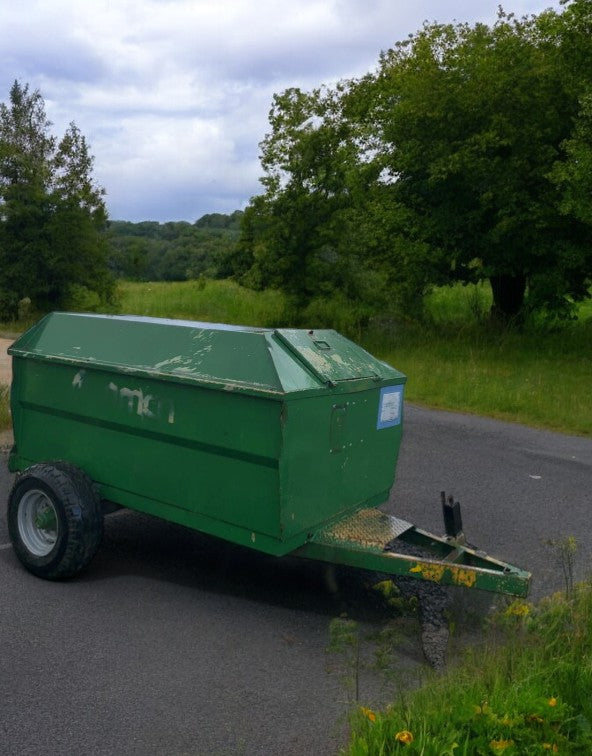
173, 95
56, 56
174, 202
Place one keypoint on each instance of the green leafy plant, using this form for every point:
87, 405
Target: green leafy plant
344, 642
524, 690
5, 417
565, 550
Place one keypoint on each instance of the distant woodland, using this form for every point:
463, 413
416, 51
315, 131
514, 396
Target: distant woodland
174, 251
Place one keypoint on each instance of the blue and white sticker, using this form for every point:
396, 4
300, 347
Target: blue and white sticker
390, 406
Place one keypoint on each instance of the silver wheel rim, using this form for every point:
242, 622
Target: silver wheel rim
37, 522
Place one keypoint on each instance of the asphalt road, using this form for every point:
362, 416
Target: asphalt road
173, 643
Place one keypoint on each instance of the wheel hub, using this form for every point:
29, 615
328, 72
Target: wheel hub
37, 522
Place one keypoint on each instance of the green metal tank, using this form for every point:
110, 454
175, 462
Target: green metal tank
255, 435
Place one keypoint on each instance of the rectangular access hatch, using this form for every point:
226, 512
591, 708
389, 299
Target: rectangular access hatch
329, 356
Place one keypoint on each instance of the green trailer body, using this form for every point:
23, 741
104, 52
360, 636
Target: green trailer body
270, 438
254, 435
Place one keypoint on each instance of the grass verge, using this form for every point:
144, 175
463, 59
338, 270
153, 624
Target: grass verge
453, 361
210, 301
539, 379
5, 419
525, 690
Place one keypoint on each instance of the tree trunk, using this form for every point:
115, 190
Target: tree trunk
508, 297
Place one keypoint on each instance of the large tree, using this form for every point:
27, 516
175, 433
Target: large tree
52, 214
308, 234
443, 165
574, 175
472, 122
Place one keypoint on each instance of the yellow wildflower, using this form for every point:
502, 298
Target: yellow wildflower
368, 713
552, 701
500, 745
549, 747
518, 609
404, 736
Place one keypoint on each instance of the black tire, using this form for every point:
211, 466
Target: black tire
55, 521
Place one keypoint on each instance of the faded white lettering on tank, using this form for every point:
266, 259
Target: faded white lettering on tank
141, 404
78, 379
138, 400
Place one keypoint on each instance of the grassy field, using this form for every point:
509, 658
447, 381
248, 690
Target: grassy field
537, 379
540, 376
211, 301
453, 361
525, 689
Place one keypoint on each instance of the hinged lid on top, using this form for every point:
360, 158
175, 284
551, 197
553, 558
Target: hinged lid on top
330, 356
259, 361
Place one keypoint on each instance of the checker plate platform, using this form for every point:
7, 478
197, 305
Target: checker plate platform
370, 528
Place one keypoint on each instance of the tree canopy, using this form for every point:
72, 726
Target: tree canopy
52, 214
465, 156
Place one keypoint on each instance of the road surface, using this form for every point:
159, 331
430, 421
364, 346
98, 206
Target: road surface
173, 643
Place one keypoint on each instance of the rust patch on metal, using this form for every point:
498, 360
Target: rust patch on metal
370, 528
464, 576
434, 572
430, 571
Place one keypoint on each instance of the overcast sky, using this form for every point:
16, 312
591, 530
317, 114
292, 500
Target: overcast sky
173, 95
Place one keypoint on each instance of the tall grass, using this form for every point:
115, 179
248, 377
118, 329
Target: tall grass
456, 360
211, 301
453, 360
524, 690
227, 302
537, 378
458, 306
5, 418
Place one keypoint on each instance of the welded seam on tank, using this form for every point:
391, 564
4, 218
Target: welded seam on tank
257, 459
